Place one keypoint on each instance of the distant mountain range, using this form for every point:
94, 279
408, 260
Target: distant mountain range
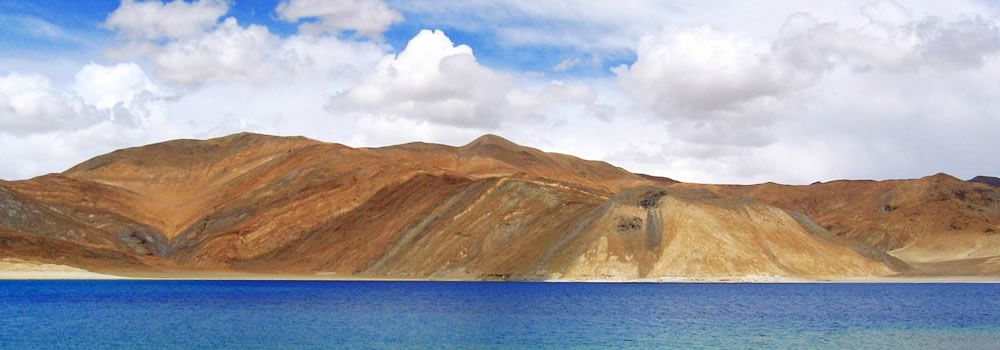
488, 210
989, 180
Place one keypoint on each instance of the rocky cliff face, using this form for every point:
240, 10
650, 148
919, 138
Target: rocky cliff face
487, 210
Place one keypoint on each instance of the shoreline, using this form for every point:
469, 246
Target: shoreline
17, 269
87, 275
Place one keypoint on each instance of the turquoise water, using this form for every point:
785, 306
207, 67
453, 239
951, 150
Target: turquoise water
298, 315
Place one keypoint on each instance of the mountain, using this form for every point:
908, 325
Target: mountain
491, 209
989, 180
927, 221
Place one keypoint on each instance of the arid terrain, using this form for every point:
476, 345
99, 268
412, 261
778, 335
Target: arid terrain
489, 210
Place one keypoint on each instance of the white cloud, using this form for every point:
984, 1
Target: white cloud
231, 52
30, 103
376, 131
228, 52
212, 80
154, 20
121, 94
613, 29
105, 86
366, 17
46, 127
890, 41
702, 73
962, 44
705, 74
556, 92
566, 64
434, 80
891, 125
904, 91
34, 154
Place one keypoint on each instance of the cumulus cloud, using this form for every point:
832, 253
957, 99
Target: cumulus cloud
892, 40
740, 107
212, 78
431, 79
962, 44
434, 80
366, 17
46, 126
154, 20
228, 52
30, 103
105, 86
122, 94
702, 73
712, 76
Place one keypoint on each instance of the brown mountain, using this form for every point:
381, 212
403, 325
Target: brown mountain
925, 222
488, 210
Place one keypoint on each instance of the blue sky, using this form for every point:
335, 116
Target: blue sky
81, 34
720, 91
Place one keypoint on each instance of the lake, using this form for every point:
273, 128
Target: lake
302, 315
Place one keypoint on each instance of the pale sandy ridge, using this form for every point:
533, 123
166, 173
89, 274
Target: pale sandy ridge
26, 270
16, 269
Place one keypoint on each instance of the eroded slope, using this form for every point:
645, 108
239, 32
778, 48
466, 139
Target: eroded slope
487, 210
934, 219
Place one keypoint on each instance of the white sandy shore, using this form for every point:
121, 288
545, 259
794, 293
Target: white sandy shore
781, 279
16, 269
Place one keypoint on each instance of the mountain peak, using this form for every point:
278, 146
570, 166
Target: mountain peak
942, 177
490, 139
252, 137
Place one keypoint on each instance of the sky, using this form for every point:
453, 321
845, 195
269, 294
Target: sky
714, 91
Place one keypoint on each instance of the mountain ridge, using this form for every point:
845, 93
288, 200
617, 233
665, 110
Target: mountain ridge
490, 209
989, 180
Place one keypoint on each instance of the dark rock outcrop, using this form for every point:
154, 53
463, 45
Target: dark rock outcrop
989, 180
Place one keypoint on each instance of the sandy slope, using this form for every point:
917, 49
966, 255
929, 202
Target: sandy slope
12, 269
26, 270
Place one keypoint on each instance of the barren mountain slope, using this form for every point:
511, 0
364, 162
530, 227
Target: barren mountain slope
57, 251
933, 219
210, 203
490, 209
454, 228
82, 212
493, 156
650, 232
526, 229
176, 182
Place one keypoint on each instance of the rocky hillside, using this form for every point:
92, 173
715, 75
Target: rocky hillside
488, 210
989, 180
930, 220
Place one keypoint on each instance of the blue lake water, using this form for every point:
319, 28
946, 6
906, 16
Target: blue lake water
297, 315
